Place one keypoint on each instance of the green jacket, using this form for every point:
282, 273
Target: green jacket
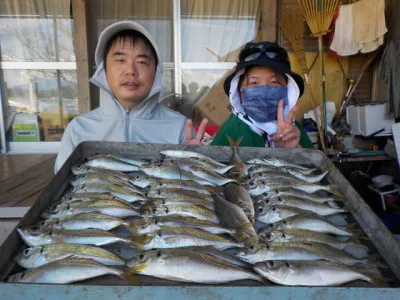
236, 128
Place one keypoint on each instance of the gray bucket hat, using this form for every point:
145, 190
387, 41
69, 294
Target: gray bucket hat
111, 30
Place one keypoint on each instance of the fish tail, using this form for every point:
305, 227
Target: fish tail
372, 260
234, 144
333, 204
353, 227
373, 274
334, 189
140, 240
354, 240
130, 277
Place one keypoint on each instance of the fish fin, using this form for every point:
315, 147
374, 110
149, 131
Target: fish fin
354, 240
334, 189
373, 273
139, 241
359, 236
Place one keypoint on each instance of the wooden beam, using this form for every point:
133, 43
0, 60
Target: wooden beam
81, 50
269, 20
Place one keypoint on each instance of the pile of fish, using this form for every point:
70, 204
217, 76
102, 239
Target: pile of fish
189, 218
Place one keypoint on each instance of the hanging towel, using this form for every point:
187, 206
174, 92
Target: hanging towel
369, 20
344, 42
372, 46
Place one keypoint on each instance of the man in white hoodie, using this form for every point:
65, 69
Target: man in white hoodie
129, 75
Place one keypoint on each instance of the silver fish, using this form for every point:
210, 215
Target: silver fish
44, 236
129, 159
129, 195
284, 192
307, 178
262, 252
232, 216
259, 187
318, 208
84, 221
210, 176
82, 169
238, 195
38, 256
179, 266
110, 163
180, 199
240, 170
278, 162
307, 222
271, 214
64, 271
176, 192
190, 154
183, 187
177, 237
187, 210
308, 236
171, 172
148, 225
104, 179
310, 273
111, 208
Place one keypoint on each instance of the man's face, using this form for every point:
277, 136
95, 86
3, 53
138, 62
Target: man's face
130, 70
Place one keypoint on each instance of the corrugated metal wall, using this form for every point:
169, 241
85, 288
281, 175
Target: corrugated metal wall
364, 89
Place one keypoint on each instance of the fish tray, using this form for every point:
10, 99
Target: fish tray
380, 241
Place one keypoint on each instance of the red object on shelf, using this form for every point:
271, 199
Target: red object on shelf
210, 130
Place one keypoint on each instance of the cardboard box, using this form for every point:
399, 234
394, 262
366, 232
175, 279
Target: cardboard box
25, 128
215, 106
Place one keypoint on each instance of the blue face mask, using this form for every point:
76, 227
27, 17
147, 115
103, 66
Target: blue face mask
261, 102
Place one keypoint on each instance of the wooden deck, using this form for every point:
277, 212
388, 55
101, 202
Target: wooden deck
23, 177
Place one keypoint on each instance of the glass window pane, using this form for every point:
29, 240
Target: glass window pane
196, 87
46, 99
36, 33
154, 15
214, 31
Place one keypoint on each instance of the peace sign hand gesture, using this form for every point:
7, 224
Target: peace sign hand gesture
195, 140
288, 135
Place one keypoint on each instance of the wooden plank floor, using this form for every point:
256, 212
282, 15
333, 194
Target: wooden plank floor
23, 177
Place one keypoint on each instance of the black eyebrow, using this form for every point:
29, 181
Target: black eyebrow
142, 55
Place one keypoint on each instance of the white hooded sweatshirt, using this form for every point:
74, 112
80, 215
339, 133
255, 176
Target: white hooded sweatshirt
148, 122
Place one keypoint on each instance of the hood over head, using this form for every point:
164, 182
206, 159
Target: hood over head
279, 63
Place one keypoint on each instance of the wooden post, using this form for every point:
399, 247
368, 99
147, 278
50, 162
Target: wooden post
269, 19
81, 50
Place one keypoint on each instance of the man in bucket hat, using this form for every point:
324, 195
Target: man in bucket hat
129, 75
263, 91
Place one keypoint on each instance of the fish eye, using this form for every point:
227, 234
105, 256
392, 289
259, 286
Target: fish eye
284, 222
267, 246
274, 208
137, 177
68, 206
267, 201
251, 183
27, 251
141, 256
154, 210
276, 191
271, 225
158, 192
155, 221
41, 250
263, 182
42, 224
280, 199
287, 264
283, 235
252, 247
167, 210
163, 201
268, 236
270, 263
260, 209
158, 254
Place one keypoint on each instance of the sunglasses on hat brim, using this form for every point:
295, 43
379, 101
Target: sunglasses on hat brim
253, 52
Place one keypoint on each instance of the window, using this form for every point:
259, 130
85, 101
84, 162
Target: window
38, 77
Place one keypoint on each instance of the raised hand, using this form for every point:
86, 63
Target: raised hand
288, 135
190, 139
